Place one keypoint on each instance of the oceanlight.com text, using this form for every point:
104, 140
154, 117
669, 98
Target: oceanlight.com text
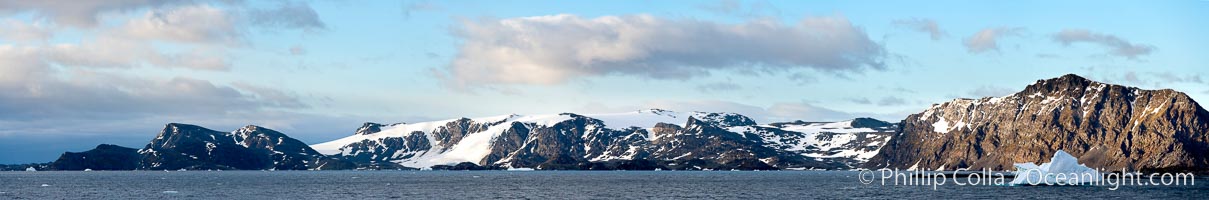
963, 177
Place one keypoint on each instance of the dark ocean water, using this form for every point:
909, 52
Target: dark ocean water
526, 185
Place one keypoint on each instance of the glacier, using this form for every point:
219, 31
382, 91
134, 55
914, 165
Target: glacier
1062, 169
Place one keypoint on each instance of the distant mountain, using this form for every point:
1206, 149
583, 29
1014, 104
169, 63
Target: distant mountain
635, 140
641, 140
103, 157
1104, 125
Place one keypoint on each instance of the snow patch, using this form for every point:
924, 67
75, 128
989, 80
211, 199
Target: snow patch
941, 126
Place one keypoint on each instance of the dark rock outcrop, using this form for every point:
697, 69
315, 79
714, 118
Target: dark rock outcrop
464, 166
103, 157
1106, 126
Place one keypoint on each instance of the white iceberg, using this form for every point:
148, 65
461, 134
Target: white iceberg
1062, 169
31, 169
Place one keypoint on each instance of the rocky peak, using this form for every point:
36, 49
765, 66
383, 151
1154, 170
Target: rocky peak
105, 147
368, 128
658, 111
869, 123
694, 123
727, 119
187, 129
664, 129
252, 129
1069, 83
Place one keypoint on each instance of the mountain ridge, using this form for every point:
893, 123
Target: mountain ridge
568, 140
1106, 126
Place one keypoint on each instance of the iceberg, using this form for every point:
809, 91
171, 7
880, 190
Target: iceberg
31, 169
1062, 169
520, 169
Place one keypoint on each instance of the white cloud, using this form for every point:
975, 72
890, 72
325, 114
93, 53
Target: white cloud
192, 24
18, 31
90, 83
988, 39
170, 34
101, 52
558, 48
77, 13
1117, 46
755, 9
32, 90
18, 69
922, 25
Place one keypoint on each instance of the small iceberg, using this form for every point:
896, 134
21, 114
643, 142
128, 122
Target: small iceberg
1062, 169
88, 170
520, 169
170, 192
31, 169
45, 185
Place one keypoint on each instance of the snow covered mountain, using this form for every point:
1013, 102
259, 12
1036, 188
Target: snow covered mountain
640, 140
662, 138
184, 146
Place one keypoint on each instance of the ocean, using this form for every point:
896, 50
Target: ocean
528, 185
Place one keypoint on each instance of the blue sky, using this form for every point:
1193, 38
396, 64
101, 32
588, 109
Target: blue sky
115, 71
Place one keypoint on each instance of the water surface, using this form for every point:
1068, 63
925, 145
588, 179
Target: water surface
522, 184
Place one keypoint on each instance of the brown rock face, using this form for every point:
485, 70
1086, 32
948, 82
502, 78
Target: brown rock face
1106, 126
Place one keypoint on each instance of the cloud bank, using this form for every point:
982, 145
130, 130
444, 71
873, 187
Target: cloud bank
558, 48
78, 13
90, 82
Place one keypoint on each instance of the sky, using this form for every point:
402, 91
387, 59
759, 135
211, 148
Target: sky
74, 74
